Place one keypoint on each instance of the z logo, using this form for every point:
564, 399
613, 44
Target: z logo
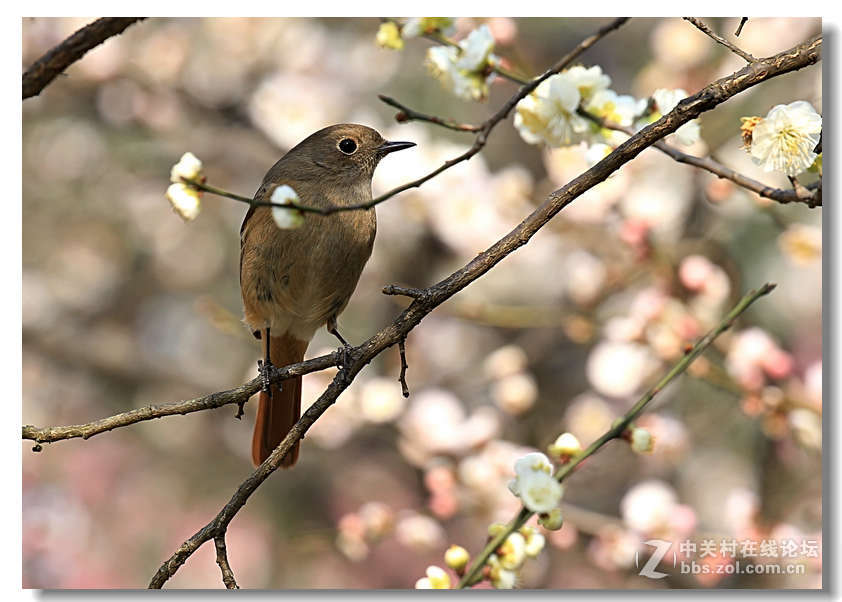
661, 549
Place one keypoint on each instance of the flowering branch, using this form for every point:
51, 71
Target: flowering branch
472, 575
710, 33
57, 59
709, 97
796, 195
480, 141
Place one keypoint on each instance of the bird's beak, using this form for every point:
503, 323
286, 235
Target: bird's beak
390, 147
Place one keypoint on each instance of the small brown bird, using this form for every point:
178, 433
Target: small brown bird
294, 281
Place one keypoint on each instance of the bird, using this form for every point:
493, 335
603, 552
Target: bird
294, 281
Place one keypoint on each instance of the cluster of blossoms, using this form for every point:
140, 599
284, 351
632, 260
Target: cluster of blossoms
466, 68
785, 140
501, 567
392, 34
551, 114
184, 198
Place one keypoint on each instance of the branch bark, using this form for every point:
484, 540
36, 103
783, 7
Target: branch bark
710, 96
699, 24
55, 61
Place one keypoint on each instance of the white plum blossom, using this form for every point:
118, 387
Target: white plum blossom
286, 219
189, 167
588, 81
476, 49
184, 200
534, 483
549, 115
462, 70
616, 108
784, 140
665, 101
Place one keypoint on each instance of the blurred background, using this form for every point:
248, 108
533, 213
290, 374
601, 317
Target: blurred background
124, 305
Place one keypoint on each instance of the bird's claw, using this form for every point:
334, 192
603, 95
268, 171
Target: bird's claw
265, 372
344, 353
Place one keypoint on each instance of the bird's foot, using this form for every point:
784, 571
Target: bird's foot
266, 370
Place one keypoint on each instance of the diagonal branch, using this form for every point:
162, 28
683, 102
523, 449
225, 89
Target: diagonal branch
707, 98
710, 33
60, 57
471, 576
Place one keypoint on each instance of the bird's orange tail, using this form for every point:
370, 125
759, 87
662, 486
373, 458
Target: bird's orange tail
277, 414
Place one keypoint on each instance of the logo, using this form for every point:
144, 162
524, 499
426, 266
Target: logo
661, 549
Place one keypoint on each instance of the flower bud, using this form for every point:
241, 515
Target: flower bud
642, 441
286, 219
534, 544
457, 558
566, 445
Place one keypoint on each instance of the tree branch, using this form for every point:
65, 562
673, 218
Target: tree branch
617, 428
795, 195
236, 395
407, 114
222, 561
710, 33
59, 58
710, 96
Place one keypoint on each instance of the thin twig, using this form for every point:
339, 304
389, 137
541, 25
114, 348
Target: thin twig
222, 561
710, 33
394, 289
407, 114
55, 61
796, 195
743, 21
404, 366
707, 98
617, 428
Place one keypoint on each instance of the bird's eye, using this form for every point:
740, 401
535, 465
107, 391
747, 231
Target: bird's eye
347, 146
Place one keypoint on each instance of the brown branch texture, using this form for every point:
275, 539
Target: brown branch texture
55, 61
